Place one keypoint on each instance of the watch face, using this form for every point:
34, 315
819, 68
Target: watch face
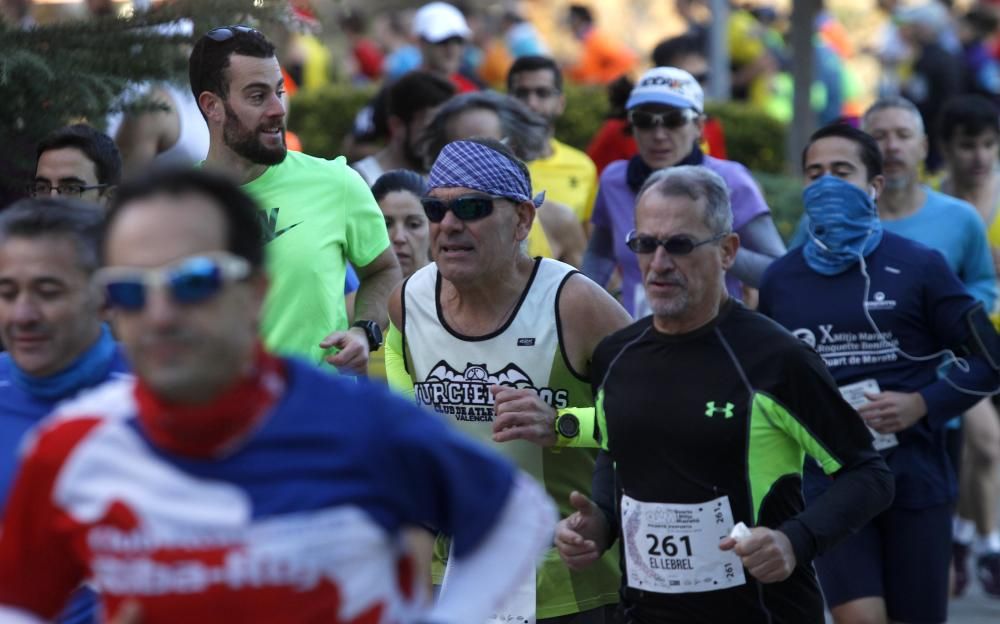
376, 332
569, 426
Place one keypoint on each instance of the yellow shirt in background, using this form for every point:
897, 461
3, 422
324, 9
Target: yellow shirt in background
568, 176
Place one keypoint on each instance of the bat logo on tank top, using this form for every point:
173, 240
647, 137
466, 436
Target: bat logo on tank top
466, 394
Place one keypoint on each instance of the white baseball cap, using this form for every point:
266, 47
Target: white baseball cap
669, 86
438, 21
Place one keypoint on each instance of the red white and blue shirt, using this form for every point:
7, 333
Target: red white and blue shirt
299, 523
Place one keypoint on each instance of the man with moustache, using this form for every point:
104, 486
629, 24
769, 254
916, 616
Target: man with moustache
706, 411
317, 214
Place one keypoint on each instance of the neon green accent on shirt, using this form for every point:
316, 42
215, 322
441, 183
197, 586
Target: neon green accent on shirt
602, 418
317, 215
777, 446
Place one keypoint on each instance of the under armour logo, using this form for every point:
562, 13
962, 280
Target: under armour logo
712, 410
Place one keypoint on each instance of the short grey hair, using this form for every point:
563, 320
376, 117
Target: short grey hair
893, 101
50, 217
696, 182
524, 131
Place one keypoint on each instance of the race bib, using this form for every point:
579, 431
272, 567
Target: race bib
674, 549
855, 395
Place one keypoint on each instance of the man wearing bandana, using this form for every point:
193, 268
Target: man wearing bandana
499, 344
883, 311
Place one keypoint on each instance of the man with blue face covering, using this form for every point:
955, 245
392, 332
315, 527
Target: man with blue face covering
882, 311
50, 323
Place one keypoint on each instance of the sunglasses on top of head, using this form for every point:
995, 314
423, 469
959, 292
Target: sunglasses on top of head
225, 33
675, 118
680, 245
189, 281
466, 208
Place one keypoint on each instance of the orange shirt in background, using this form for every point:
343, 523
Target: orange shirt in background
602, 59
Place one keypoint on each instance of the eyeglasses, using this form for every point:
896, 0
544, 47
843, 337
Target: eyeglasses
679, 245
225, 33
43, 188
192, 280
467, 208
542, 93
644, 120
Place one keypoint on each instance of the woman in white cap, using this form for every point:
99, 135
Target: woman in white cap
666, 113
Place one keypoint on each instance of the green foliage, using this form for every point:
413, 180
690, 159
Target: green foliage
323, 117
784, 196
586, 109
752, 137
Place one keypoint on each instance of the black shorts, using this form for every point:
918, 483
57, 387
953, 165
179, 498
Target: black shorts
902, 556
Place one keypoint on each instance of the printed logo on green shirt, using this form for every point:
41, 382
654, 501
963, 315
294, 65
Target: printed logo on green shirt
269, 224
712, 410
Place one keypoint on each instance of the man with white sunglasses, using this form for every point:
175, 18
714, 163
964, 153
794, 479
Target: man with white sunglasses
224, 483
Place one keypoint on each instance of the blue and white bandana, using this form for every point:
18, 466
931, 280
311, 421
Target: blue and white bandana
472, 165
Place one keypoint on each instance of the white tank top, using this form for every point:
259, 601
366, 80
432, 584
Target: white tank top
453, 373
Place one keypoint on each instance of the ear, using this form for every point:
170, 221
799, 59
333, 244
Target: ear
259, 286
396, 126
924, 146
699, 123
562, 103
525, 217
877, 183
728, 247
212, 107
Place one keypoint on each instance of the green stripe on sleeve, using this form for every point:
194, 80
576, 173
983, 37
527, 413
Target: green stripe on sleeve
777, 446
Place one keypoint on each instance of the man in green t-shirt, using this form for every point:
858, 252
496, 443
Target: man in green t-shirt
317, 214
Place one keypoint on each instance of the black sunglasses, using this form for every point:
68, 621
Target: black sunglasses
225, 33
679, 245
644, 120
467, 208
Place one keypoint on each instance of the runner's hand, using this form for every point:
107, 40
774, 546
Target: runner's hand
129, 613
892, 412
582, 537
766, 554
352, 357
522, 415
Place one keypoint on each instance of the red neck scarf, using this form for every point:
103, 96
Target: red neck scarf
212, 429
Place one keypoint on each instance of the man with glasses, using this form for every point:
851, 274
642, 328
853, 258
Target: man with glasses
51, 324
76, 161
499, 344
317, 214
883, 312
705, 411
666, 112
567, 174
227, 484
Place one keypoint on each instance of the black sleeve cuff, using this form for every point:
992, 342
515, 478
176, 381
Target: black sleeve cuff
803, 542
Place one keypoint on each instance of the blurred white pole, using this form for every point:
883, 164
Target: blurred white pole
718, 57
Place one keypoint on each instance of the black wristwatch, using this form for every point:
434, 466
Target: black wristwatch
568, 426
372, 331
